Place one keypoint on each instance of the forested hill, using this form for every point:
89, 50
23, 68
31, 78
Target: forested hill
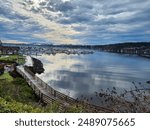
130, 44
122, 45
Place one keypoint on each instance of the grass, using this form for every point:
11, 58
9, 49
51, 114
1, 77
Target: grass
7, 77
16, 96
16, 88
13, 58
16, 107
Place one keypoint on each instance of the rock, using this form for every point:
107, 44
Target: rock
37, 66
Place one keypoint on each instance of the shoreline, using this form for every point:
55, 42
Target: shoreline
65, 96
23, 105
54, 95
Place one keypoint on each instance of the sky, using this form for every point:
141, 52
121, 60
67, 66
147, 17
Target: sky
74, 21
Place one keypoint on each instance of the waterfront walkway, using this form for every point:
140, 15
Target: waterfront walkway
49, 95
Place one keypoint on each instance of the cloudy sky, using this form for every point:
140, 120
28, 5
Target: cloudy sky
74, 21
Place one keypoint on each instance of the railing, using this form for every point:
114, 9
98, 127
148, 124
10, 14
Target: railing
29, 71
54, 92
54, 95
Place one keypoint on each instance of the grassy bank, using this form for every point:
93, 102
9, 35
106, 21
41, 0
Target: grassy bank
13, 58
17, 96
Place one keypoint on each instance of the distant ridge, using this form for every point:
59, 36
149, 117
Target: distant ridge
124, 44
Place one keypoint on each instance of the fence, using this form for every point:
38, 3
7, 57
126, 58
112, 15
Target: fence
48, 95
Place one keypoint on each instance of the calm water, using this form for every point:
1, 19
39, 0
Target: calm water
82, 76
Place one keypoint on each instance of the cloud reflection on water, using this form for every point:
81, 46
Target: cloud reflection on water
84, 75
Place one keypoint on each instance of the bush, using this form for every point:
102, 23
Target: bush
16, 107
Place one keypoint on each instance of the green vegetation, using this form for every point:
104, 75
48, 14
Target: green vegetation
16, 90
16, 107
75, 109
17, 96
6, 76
13, 58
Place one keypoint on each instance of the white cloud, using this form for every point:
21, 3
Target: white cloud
66, 0
12, 41
4, 20
120, 16
75, 21
57, 31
